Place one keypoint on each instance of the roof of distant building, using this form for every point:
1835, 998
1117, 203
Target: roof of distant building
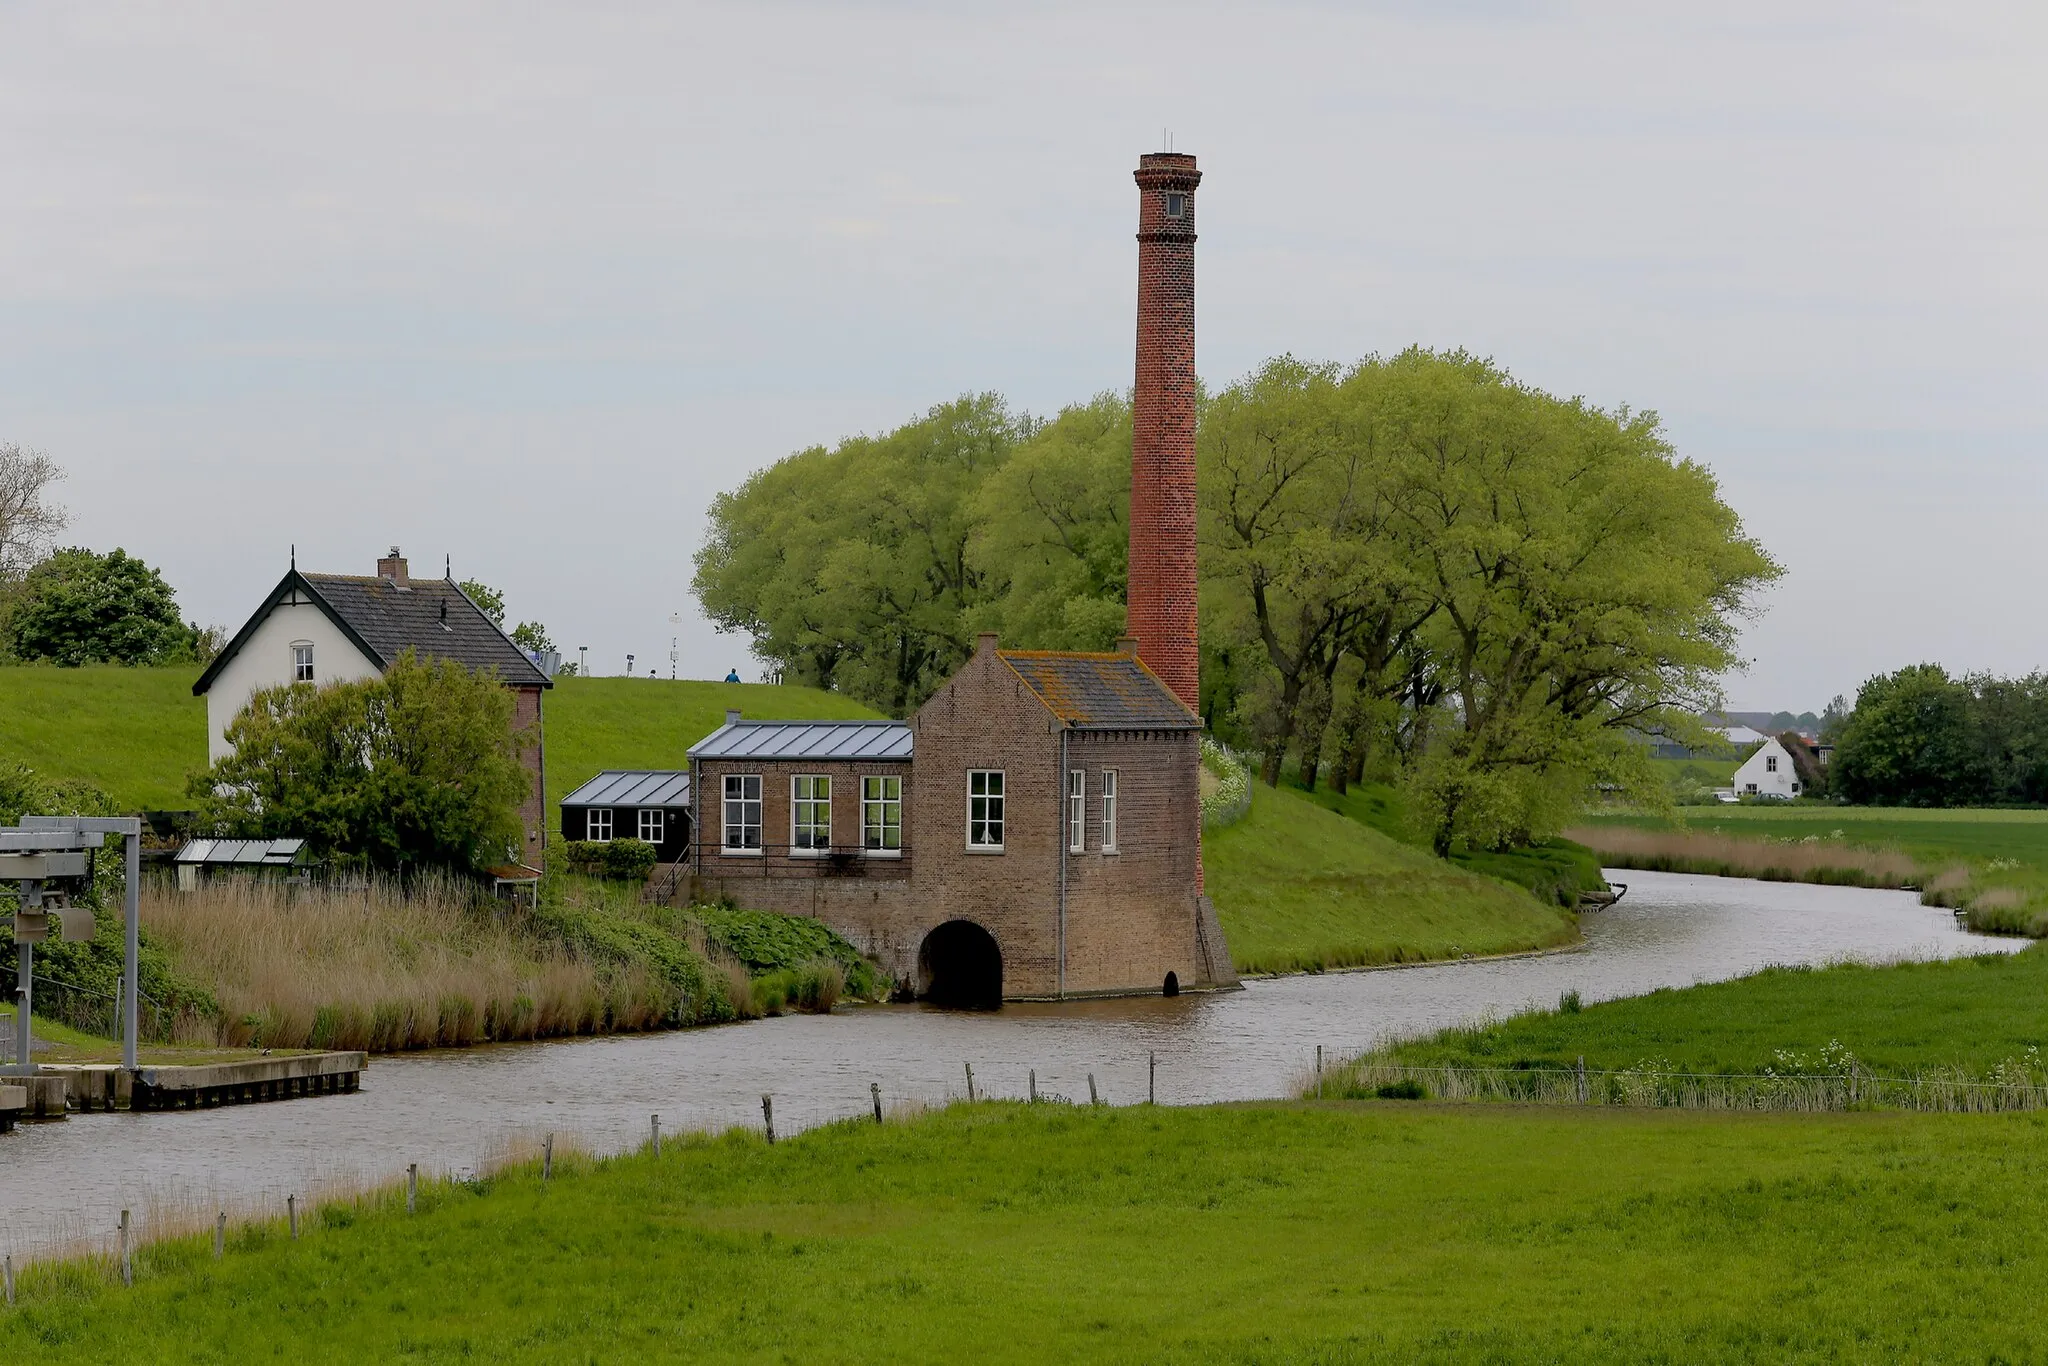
766, 740
633, 787
281, 853
1100, 691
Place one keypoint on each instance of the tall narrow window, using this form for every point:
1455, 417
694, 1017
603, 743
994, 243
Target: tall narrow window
810, 814
742, 813
1077, 810
302, 662
1176, 206
881, 815
1770, 763
985, 810
651, 824
1109, 811
597, 825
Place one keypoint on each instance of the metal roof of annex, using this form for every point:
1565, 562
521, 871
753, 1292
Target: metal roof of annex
821, 740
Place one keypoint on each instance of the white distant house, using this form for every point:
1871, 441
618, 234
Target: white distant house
1769, 772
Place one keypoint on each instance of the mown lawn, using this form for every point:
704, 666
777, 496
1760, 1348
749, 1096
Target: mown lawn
1897, 1019
1299, 888
1013, 1233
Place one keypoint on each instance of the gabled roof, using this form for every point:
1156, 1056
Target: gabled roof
806, 740
633, 787
1100, 692
432, 616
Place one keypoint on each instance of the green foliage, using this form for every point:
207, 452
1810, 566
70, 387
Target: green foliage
1555, 870
1921, 738
79, 607
606, 934
531, 635
628, 860
489, 600
1224, 801
416, 768
788, 944
1338, 1233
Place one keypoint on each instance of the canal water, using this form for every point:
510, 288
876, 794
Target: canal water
450, 1111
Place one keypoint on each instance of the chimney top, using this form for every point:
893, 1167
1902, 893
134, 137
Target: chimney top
392, 567
732, 716
1127, 645
985, 643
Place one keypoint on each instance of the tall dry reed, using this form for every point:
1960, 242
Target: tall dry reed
380, 967
1673, 851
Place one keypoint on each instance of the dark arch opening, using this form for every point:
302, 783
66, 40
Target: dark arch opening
959, 965
1172, 984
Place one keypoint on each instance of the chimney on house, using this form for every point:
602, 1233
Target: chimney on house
1162, 587
732, 716
392, 567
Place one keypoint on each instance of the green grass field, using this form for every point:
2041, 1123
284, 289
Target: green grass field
1934, 835
1898, 1019
1300, 888
1003, 1232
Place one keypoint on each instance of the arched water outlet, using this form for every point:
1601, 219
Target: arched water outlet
960, 965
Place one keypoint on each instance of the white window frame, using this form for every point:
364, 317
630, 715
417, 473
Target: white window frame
1109, 786
1077, 810
1770, 763
302, 661
655, 819
741, 801
876, 802
817, 794
985, 809
595, 820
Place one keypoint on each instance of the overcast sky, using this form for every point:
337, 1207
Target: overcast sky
527, 285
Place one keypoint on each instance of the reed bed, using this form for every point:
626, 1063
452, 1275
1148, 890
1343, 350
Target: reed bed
381, 967
1800, 860
1943, 1092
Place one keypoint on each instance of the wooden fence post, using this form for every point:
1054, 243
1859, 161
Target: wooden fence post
1581, 1072
1091, 1090
1034, 1086
1319, 1071
547, 1158
127, 1266
768, 1116
9, 1278
970, 1082
875, 1090
291, 1212
1152, 1081
654, 1128
220, 1235
412, 1188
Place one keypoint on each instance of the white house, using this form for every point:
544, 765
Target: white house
1769, 772
332, 628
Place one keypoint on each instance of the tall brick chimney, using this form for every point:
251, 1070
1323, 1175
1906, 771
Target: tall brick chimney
1162, 569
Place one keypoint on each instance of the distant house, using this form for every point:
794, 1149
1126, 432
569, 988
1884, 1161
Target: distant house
1769, 772
332, 628
643, 804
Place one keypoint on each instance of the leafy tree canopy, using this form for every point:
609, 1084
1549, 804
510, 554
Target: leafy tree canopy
80, 607
489, 599
416, 768
1920, 737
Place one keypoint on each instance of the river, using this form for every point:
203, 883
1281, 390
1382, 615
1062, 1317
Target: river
449, 1110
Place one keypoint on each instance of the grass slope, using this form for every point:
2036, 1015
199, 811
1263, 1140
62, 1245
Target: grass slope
1014, 1233
1934, 835
134, 732
1299, 888
1897, 1019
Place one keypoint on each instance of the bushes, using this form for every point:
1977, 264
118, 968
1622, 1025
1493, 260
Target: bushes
770, 944
627, 859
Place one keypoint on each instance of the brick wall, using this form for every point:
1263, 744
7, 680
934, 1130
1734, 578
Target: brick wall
1162, 584
533, 812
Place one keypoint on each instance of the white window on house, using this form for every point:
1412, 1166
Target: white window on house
810, 814
1770, 763
302, 661
1109, 811
881, 815
742, 814
985, 810
597, 824
651, 826
1077, 810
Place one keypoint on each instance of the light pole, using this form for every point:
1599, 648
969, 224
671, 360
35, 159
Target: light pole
629, 666
583, 661
675, 621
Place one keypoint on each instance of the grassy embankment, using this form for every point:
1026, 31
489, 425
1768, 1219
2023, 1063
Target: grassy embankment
1992, 864
1008, 1232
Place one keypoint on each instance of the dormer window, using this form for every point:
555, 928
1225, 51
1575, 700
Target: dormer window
1176, 206
302, 662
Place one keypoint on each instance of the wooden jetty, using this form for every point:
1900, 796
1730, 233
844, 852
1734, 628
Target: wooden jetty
60, 1087
13, 1100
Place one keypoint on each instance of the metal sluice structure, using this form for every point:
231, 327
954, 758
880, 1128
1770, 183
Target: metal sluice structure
48, 862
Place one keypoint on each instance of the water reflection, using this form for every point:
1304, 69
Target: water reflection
444, 1110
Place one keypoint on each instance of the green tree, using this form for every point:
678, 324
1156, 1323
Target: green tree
79, 607
1914, 739
488, 599
531, 635
417, 768
849, 567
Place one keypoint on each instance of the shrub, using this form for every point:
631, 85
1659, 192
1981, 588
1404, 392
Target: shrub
1408, 1089
769, 943
628, 859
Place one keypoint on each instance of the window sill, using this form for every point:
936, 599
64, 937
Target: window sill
739, 853
810, 853
883, 853
984, 848
1110, 850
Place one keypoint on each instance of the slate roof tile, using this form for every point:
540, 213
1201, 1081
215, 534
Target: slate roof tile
1108, 692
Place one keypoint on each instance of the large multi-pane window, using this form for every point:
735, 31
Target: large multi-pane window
742, 813
810, 813
881, 814
1077, 810
985, 809
651, 825
1109, 811
597, 824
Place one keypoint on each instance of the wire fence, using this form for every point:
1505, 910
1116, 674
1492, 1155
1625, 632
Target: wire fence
1933, 1092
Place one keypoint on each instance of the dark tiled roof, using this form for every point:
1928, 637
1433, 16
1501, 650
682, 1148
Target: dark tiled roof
1112, 692
431, 616
806, 740
633, 787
